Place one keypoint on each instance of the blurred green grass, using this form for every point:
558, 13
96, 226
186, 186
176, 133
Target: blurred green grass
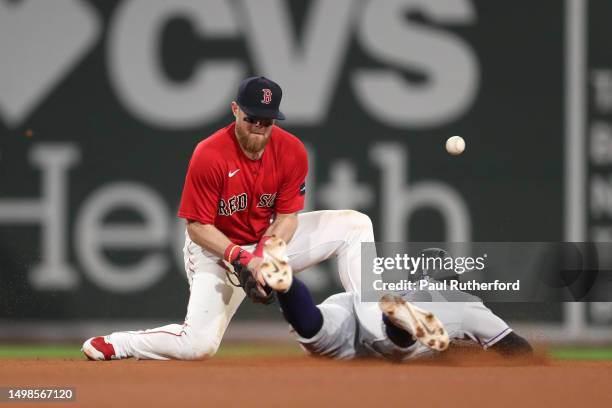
582, 353
250, 350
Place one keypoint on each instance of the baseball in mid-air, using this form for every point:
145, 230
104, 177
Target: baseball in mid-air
455, 145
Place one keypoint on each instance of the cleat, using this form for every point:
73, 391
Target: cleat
420, 323
275, 268
99, 348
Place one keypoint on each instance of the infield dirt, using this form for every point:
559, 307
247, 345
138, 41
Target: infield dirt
300, 381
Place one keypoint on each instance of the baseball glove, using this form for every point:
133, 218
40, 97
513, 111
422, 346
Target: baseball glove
248, 283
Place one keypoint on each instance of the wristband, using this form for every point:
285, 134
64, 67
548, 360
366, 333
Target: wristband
244, 257
260, 246
234, 253
231, 252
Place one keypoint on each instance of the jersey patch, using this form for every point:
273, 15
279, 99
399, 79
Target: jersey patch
303, 188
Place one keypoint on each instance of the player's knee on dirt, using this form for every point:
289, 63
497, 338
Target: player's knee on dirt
200, 347
513, 345
202, 351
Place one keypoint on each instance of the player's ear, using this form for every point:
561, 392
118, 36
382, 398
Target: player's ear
235, 109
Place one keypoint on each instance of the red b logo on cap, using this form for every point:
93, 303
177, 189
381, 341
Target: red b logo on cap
267, 96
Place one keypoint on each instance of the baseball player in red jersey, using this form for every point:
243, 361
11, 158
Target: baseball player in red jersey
245, 184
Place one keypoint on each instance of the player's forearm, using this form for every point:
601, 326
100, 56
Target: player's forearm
208, 237
284, 226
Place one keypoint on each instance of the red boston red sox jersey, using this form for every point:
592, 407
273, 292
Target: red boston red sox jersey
239, 195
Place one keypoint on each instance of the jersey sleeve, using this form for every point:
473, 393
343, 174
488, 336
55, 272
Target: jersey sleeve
202, 189
293, 187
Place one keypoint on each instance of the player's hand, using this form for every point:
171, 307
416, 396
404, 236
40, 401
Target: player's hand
247, 269
254, 267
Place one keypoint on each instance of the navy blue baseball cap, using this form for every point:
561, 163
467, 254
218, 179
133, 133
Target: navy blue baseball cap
260, 97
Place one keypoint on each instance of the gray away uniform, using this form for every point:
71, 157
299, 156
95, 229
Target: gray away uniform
355, 329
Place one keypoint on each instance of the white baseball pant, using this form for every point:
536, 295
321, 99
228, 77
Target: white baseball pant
213, 300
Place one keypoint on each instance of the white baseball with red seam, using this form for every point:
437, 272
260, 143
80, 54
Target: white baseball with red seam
455, 145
